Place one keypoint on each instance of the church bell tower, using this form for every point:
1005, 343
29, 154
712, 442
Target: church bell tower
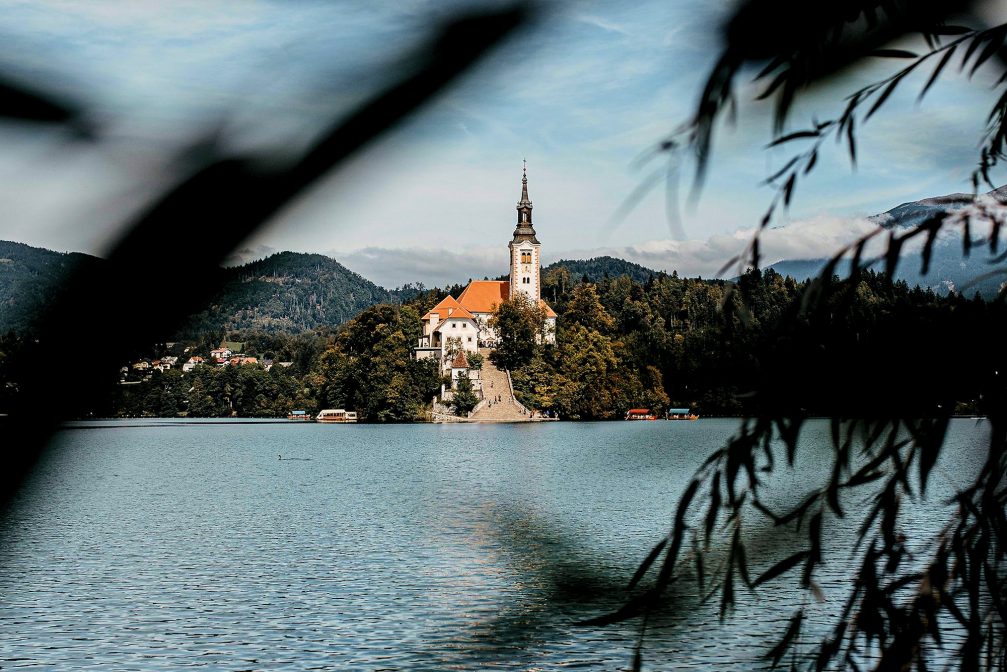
525, 259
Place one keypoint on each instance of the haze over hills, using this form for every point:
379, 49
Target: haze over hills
949, 270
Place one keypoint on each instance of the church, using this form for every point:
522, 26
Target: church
463, 323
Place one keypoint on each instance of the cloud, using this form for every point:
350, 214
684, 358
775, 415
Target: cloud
813, 238
580, 95
807, 239
249, 253
603, 24
394, 267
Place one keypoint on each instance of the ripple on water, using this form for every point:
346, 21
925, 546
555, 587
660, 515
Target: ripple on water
378, 548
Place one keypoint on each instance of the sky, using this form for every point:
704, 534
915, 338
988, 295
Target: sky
582, 95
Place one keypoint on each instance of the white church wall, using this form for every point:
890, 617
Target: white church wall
465, 330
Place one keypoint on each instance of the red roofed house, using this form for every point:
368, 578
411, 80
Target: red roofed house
467, 318
448, 327
459, 367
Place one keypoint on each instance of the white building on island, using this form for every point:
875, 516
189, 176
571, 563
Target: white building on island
463, 323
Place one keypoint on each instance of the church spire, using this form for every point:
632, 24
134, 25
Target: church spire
524, 185
524, 230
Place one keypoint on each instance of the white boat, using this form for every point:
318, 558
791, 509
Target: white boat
336, 415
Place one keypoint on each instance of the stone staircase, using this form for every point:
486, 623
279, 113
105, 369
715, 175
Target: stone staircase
495, 384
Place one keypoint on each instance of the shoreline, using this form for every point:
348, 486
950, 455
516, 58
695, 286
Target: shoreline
459, 421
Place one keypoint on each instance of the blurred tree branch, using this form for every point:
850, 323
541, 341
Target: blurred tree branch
893, 616
233, 195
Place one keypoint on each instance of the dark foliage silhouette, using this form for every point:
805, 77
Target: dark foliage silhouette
245, 191
890, 405
893, 615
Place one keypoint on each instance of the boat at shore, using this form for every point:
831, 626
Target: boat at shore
336, 415
680, 414
302, 416
640, 414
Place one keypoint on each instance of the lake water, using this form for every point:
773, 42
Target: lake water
172, 544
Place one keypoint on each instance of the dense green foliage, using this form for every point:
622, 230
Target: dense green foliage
287, 292
620, 343
597, 269
464, 399
708, 344
370, 367
366, 366
519, 325
28, 278
212, 392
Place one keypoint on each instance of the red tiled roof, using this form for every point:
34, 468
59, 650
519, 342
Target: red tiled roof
449, 308
460, 362
549, 312
483, 296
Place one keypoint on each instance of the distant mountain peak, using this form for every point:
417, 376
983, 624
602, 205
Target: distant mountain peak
915, 212
949, 269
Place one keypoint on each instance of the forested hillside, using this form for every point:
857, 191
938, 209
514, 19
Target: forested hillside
286, 292
599, 268
620, 344
708, 343
366, 366
29, 276
626, 337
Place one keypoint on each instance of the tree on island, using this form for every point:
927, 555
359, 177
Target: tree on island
475, 360
590, 373
520, 326
585, 309
370, 368
464, 398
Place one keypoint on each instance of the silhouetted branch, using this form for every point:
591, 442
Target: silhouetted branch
233, 195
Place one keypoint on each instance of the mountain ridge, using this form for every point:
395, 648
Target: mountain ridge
298, 291
29, 276
285, 292
949, 269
